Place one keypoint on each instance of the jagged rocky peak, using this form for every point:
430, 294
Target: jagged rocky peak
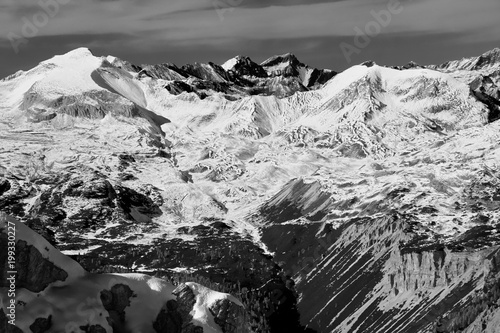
489, 60
369, 63
164, 71
410, 65
288, 58
286, 64
123, 64
208, 72
244, 66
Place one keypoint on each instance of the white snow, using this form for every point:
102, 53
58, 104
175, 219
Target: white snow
204, 299
62, 75
229, 65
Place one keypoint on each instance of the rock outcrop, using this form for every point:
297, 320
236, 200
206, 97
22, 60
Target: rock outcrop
169, 319
92, 105
34, 271
115, 300
54, 294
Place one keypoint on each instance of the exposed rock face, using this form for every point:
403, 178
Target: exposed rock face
410, 65
115, 301
287, 65
93, 105
13, 193
93, 329
244, 66
178, 87
5, 326
239, 77
490, 59
279, 86
34, 272
297, 199
208, 72
228, 315
185, 302
390, 278
41, 325
169, 319
176, 315
440, 268
4, 186
492, 103
93, 201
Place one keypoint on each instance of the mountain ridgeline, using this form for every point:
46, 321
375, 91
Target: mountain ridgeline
366, 201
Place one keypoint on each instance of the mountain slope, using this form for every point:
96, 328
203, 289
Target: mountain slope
364, 201
487, 61
482, 74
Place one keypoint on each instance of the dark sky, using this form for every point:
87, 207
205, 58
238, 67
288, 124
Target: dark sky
183, 31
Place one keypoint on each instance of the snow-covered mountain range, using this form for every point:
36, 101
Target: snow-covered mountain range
361, 201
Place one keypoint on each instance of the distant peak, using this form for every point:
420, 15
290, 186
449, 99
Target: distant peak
79, 51
80, 57
369, 63
229, 65
288, 56
495, 51
241, 57
489, 59
244, 59
280, 59
244, 66
491, 54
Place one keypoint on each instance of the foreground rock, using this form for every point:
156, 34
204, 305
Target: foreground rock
55, 294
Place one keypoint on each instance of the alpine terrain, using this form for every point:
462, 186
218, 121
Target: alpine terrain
247, 197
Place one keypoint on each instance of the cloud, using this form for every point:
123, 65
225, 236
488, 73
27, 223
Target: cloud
195, 25
185, 20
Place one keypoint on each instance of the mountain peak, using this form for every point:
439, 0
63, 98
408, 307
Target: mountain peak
369, 63
494, 51
79, 56
243, 65
231, 63
78, 52
287, 58
487, 60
